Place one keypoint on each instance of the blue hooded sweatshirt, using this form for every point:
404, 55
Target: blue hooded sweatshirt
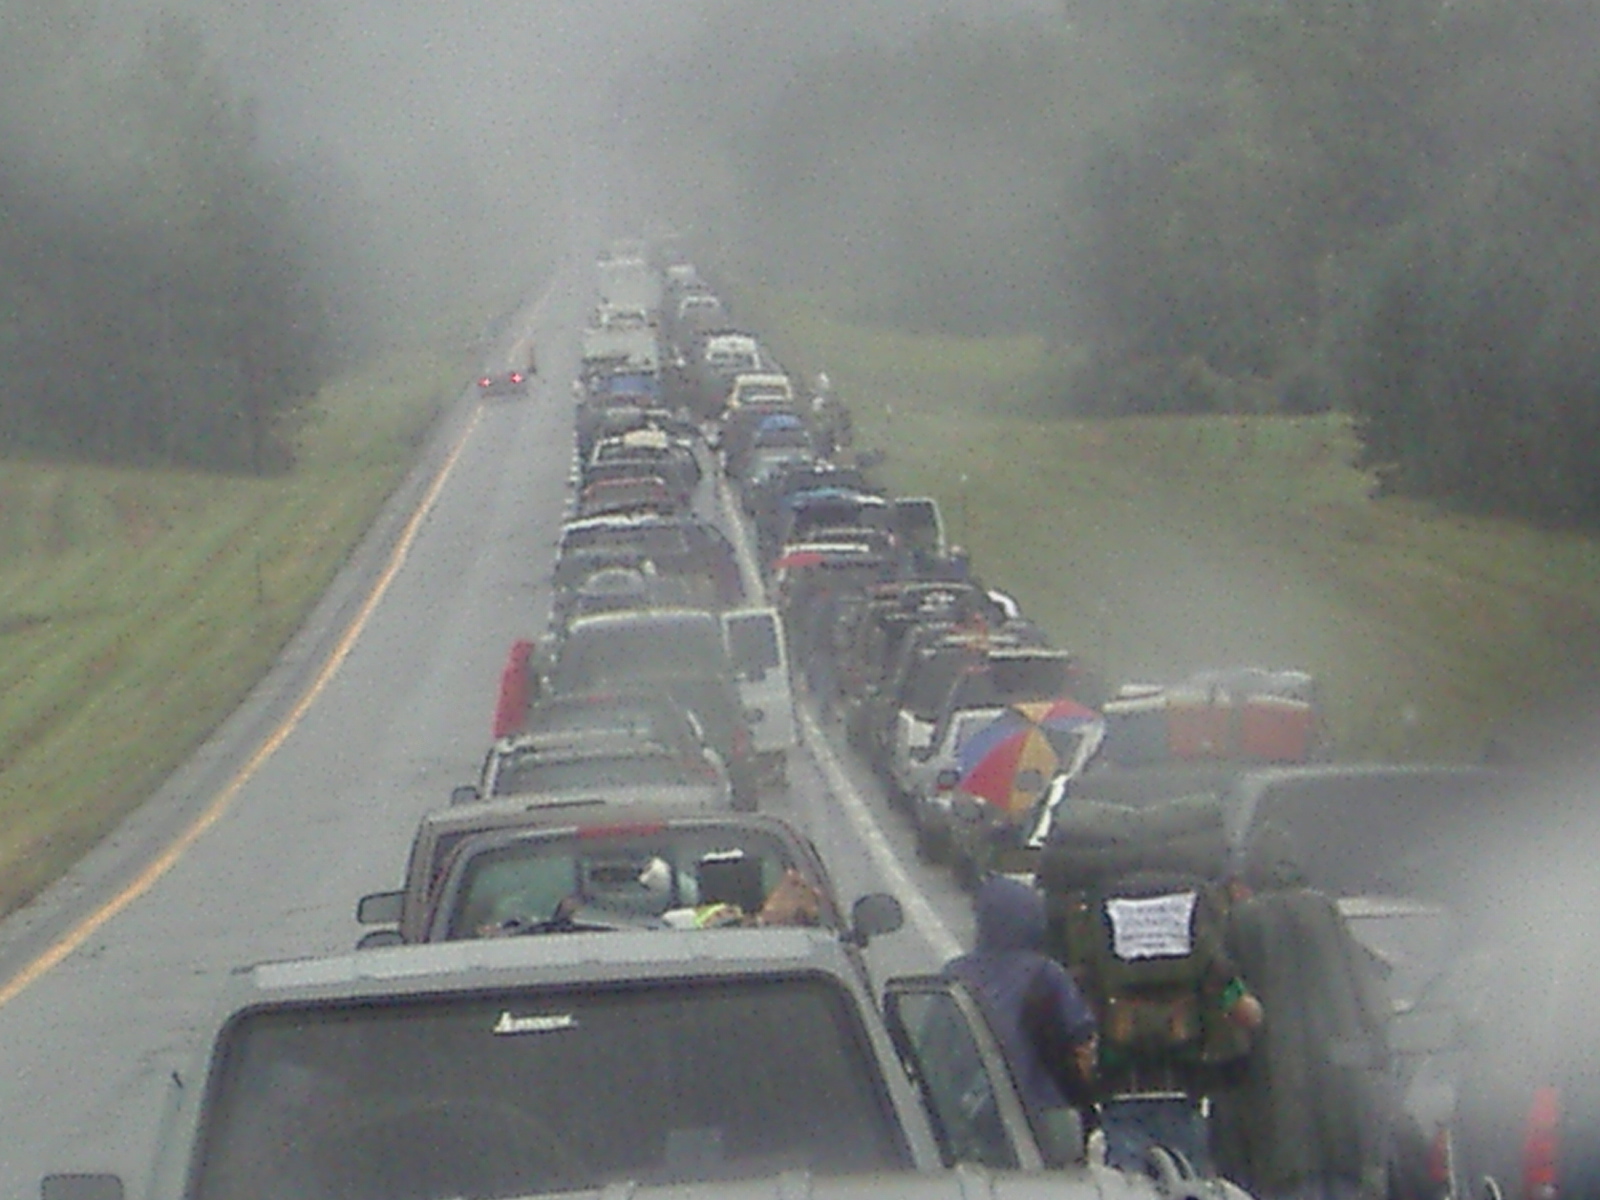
1008, 965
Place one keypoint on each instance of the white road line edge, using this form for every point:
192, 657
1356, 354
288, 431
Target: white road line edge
922, 914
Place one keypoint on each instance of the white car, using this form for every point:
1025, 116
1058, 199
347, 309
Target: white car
926, 777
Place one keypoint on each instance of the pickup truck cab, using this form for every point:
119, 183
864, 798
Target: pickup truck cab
599, 851
527, 1066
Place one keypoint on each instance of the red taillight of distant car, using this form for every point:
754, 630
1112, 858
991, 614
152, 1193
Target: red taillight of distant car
516, 377
485, 381
1541, 1145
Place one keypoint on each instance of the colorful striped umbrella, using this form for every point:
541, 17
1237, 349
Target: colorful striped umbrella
1010, 761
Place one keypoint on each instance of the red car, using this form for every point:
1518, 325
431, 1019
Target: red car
505, 383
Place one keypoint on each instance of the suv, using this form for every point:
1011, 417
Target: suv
613, 766
728, 669
930, 774
529, 1066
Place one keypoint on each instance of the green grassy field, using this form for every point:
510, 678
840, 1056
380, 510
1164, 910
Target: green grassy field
138, 607
1155, 547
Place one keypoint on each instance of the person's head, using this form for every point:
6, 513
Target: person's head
1010, 915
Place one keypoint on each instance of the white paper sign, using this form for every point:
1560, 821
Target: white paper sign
1154, 927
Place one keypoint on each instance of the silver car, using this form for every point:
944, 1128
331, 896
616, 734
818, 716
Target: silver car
590, 1061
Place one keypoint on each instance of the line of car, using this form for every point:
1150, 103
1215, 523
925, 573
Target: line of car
913, 657
585, 982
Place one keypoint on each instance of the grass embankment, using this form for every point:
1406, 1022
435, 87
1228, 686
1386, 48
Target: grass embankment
138, 607
1164, 545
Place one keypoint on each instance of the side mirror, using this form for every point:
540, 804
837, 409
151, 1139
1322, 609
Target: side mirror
379, 908
947, 779
81, 1187
467, 793
380, 937
874, 914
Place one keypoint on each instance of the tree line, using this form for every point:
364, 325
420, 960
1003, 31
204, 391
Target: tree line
157, 302
1385, 207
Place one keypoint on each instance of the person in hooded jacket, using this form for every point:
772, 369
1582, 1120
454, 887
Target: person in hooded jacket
1043, 1024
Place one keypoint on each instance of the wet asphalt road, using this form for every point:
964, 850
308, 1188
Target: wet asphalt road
306, 798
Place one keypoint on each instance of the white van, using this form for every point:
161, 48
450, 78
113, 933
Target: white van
760, 659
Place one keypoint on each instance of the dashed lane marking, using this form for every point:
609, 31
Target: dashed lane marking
168, 858
213, 812
223, 801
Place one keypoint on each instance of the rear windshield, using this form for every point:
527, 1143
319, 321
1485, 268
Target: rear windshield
624, 653
651, 541
628, 874
529, 775
1004, 680
510, 1094
621, 717
930, 679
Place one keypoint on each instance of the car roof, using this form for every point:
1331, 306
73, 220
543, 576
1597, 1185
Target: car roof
504, 813
624, 522
486, 964
597, 623
579, 743
1249, 788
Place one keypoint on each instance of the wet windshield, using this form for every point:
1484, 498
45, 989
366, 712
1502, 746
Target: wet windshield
511, 1094
531, 775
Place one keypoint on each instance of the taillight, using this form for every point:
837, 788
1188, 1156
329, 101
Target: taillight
1540, 1145
484, 382
516, 377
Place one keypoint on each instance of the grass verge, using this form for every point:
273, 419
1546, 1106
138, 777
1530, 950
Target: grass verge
1160, 546
137, 608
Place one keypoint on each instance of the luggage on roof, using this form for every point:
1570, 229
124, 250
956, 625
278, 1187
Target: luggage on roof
1093, 843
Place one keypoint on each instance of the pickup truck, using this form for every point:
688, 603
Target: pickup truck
592, 840
584, 1062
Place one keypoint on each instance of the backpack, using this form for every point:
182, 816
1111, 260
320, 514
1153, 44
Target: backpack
1148, 952
1138, 913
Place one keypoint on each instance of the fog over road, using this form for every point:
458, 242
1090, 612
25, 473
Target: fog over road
92, 1041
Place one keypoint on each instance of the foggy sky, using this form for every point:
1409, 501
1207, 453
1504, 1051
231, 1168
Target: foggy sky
498, 86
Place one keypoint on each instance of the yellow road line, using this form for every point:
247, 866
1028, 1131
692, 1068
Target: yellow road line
146, 879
